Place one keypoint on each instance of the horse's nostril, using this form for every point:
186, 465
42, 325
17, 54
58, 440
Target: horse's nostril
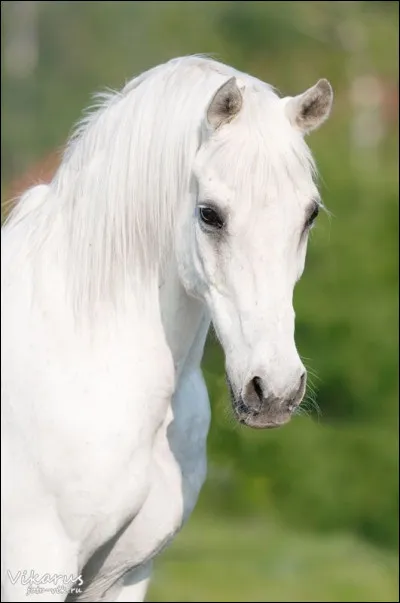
256, 382
298, 393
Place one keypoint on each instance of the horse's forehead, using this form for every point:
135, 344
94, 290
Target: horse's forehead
236, 162
236, 183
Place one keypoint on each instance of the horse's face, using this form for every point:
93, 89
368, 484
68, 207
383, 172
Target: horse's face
248, 244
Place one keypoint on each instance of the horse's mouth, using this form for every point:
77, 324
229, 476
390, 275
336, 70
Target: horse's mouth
264, 417
263, 420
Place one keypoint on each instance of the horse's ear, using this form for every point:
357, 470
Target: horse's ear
309, 110
225, 105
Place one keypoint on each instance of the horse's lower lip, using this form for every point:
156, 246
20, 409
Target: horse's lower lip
262, 425
262, 420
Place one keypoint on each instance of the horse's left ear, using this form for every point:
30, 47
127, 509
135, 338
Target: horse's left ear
309, 110
225, 105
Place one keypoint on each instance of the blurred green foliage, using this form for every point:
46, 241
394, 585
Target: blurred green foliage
253, 561
338, 472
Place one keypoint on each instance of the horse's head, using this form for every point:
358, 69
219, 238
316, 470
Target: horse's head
256, 202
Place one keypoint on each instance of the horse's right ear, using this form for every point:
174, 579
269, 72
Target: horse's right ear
309, 110
225, 105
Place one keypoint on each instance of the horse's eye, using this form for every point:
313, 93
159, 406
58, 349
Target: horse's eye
210, 217
312, 216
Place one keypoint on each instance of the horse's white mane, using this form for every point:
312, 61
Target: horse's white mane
128, 166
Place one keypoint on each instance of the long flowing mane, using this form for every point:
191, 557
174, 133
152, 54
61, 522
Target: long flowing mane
125, 170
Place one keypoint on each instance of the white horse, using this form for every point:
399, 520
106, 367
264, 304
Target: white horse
185, 198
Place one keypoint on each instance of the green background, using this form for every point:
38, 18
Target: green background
308, 512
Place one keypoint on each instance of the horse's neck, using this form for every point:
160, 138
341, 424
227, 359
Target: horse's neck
185, 321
